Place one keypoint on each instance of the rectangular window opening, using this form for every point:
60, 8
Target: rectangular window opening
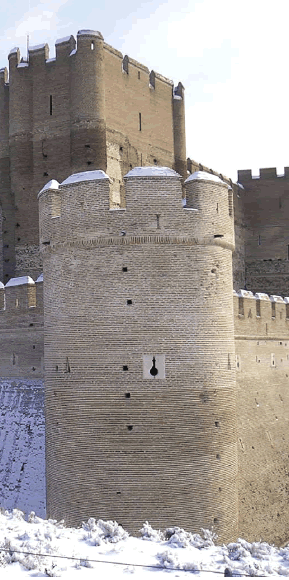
273, 309
50, 104
139, 121
241, 306
258, 307
230, 202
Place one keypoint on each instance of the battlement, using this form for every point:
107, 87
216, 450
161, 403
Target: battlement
245, 175
68, 48
260, 315
78, 208
193, 166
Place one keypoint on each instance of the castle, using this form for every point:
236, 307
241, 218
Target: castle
174, 388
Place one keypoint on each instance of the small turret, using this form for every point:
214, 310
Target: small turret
213, 198
180, 164
88, 126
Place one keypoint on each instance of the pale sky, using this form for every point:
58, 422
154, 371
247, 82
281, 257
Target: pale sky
230, 55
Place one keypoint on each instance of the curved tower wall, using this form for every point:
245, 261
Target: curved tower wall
88, 127
129, 293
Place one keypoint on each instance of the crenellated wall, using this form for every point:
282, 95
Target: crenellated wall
266, 214
262, 371
21, 328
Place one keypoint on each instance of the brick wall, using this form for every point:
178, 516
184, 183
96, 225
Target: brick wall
266, 205
89, 108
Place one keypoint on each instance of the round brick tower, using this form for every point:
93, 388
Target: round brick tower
139, 352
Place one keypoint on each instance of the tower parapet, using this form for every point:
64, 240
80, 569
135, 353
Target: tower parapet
139, 355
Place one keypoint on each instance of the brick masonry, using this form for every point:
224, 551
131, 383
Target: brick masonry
162, 448
119, 116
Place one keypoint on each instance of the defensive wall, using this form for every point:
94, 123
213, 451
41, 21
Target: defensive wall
90, 107
21, 328
262, 372
266, 214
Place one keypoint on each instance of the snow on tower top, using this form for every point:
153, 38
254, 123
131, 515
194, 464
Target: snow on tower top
62, 40
19, 281
85, 176
203, 175
90, 33
36, 47
152, 172
52, 184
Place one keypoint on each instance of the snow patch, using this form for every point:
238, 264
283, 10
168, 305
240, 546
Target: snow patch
50, 60
52, 184
36, 47
89, 33
275, 298
85, 176
22, 443
13, 50
74, 51
40, 278
19, 281
103, 531
23, 65
245, 294
262, 296
152, 172
203, 175
62, 40
177, 98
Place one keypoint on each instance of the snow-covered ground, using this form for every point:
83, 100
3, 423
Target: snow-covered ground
35, 547
39, 548
22, 445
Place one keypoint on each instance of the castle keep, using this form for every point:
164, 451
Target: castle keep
166, 391
88, 108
